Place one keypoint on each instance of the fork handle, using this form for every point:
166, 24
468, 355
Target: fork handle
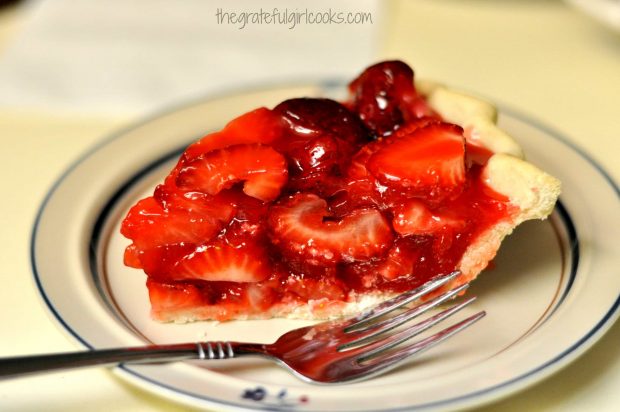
25, 365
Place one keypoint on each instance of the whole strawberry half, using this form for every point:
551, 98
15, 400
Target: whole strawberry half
384, 96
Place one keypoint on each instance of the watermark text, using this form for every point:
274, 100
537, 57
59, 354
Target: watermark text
291, 18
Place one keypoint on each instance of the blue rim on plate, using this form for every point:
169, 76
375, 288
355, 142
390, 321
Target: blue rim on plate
564, 356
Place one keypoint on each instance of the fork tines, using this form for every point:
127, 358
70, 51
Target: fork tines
372, 350
361, 321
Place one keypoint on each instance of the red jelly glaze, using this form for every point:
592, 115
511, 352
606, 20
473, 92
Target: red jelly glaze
327, 146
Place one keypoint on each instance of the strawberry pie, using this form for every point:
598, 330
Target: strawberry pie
317, 208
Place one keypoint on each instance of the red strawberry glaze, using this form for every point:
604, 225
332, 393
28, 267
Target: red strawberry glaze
313, 201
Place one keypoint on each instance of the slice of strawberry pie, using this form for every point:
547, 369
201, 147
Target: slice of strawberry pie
318, 208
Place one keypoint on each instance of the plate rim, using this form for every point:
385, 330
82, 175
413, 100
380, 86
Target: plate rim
487, 394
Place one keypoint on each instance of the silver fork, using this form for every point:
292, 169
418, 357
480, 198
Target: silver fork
330, 352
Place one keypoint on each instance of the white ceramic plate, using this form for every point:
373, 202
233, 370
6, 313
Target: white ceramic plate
555, 289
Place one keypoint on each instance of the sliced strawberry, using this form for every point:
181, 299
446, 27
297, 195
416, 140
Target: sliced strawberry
263, 170
169, 298
158, 261
300, 225
186, 301
361, 187
415, 218
131, 257
218, 261
430, 162
258, 126
148, 224
172, 199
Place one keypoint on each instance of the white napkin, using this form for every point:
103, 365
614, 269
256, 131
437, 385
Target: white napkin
126, 57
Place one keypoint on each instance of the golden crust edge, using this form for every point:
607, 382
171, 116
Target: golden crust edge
533, 191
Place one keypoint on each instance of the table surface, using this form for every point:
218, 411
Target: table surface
542, 58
